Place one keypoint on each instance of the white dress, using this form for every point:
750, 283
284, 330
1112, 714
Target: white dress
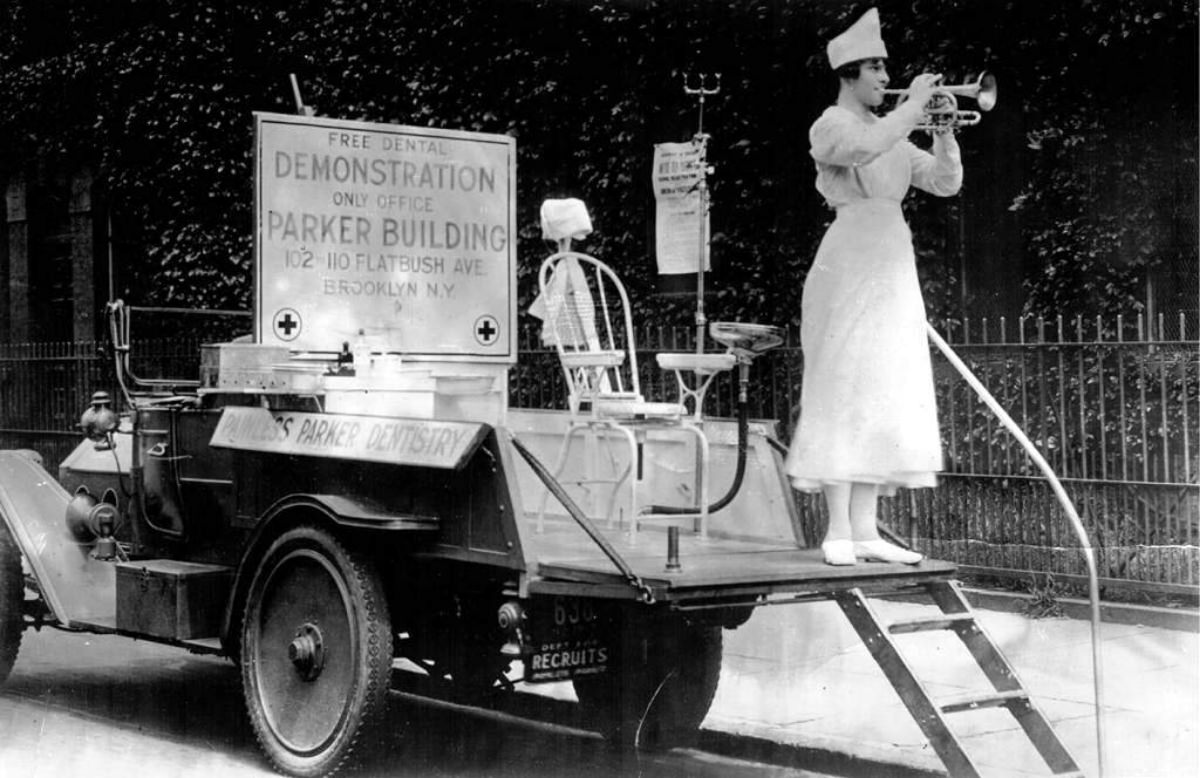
867, 408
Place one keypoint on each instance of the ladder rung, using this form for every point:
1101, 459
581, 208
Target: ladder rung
976, 701
927, 623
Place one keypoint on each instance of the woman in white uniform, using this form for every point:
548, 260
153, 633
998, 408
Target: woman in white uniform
868, 421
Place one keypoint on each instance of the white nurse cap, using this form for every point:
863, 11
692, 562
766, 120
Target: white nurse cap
861, 41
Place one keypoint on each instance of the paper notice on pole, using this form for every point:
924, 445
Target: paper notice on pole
678, 218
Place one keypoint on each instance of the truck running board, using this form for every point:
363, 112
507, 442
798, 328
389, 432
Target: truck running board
930, 716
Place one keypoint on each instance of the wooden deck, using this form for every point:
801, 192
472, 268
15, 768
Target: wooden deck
719, 570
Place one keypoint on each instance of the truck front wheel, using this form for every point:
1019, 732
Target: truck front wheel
316, 652
658, 687
12, 600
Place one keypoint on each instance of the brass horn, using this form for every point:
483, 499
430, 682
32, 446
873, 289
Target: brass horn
942, 112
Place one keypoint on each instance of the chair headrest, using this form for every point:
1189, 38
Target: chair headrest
567, 218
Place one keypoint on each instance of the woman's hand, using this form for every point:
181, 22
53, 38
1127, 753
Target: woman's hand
921, 88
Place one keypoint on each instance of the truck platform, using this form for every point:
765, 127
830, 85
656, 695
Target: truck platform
713, 572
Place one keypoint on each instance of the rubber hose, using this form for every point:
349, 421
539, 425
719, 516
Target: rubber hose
739, 474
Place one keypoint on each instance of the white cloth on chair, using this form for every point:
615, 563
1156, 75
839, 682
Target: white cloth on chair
566, 308
566, 218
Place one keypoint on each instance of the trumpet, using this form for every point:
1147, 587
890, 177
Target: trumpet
942, 113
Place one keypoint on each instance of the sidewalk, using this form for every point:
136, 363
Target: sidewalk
799, 675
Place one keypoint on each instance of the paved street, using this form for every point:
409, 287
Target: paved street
109, 706
794, 678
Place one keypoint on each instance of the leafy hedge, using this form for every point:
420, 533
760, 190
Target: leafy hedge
156, 96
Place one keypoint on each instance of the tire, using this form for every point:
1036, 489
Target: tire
12, 600
316, 653
659, 686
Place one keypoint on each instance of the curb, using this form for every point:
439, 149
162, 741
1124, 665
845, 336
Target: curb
1182, 619
812, 757
721, 738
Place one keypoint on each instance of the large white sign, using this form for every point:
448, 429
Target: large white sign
403, 234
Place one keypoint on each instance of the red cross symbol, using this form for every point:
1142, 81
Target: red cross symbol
285, 321
486, 330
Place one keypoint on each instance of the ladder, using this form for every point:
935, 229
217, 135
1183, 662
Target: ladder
930, 715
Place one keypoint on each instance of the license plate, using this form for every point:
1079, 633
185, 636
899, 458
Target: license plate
571, 639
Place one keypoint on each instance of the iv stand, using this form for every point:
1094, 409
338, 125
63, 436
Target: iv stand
700, 91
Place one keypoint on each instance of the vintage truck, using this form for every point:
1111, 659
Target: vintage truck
346, 492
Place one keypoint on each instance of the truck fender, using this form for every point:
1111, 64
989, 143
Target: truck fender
74, 585
331, 510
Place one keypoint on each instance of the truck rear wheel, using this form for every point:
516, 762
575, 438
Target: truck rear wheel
659, 685
12, 599
316, 652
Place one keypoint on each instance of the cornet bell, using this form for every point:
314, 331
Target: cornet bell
985, 96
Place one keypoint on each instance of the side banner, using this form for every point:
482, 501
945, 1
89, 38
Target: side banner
424, 442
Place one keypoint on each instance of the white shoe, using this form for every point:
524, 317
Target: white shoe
882, 551
838, 552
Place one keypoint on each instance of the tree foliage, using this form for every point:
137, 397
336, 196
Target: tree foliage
156, 96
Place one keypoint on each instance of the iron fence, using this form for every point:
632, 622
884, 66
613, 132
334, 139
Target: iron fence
1113, 406
44, 387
